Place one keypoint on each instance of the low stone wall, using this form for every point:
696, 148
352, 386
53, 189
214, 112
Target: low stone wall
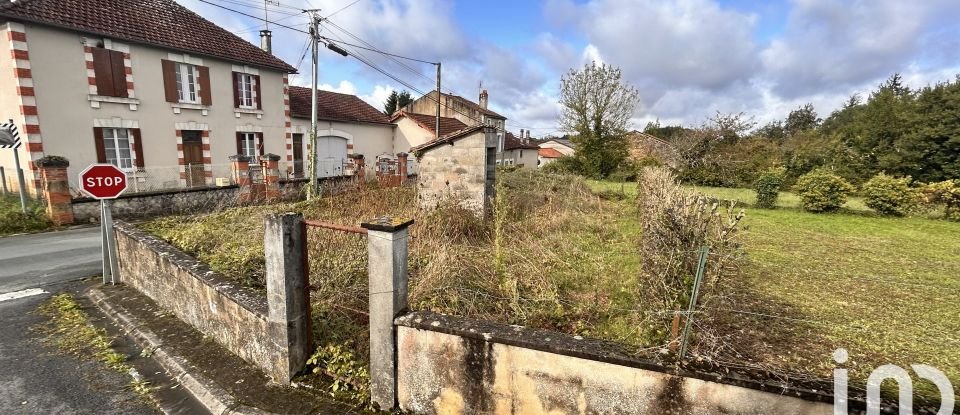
194, 200
451, 365
232, 315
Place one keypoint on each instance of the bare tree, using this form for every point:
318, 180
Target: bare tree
597, 106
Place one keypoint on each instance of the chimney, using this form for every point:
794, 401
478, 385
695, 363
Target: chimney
483, 99
521, 134
266, 42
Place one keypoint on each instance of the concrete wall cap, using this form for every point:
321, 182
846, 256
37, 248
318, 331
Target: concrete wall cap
270, 156
386, 224
240, 157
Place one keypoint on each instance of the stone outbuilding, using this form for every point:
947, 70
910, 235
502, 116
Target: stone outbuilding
458, 167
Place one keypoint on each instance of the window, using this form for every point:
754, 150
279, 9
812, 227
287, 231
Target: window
186, 77
248, 144
110, 73
116, 146
245, 90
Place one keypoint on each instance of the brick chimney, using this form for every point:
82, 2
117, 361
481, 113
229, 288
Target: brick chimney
484, 98
266, 41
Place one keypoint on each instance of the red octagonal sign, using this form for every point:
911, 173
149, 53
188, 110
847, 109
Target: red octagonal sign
103, 181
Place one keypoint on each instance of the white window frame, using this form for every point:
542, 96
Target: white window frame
251, 140
247, 91
114, 155
188, 85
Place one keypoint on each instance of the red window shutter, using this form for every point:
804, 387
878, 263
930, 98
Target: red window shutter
236, 89
204, 76
260, 147
119, 72
137, 147
103, 70
256, 90
240, 144
170, 81
98, 144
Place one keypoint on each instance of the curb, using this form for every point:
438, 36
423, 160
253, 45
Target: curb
214, 398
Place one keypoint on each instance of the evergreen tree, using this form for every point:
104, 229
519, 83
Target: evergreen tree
396, 101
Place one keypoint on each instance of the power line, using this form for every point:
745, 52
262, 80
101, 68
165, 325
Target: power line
253, 17
342, 8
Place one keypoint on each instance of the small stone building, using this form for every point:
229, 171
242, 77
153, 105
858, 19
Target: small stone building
459, 167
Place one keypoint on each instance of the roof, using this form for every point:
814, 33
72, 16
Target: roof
563, 141
511, 142
550, 153
162, 23
453, 136
334, 106
429, 122
473, 105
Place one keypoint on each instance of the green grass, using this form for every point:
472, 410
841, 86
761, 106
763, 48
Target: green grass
13, 220
885, 289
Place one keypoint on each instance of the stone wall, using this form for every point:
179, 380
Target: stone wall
457, 171
449, 365
232, 315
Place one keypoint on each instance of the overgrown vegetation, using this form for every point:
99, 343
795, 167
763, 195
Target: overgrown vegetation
888, 195
822, 191
767, 187
13, 220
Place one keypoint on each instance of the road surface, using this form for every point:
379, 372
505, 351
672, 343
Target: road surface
31, 261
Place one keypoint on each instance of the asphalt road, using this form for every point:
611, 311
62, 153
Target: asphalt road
30, 261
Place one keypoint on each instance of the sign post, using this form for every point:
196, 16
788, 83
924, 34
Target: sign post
105, 182
10, 138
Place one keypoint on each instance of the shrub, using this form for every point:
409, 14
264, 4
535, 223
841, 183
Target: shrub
768, 186
12, 220
822, 191
888, 195
945, 193
563, 165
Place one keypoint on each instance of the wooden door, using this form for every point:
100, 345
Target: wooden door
193, 158
298, 155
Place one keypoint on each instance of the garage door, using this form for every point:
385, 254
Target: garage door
331, 154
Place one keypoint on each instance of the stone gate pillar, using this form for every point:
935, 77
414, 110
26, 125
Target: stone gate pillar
55, 187
240, 167
271, 176
402, 166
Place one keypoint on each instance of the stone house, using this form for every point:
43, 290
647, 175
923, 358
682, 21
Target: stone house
644, 147
149, 86
458, 167
347, 126
460, 108
414, 130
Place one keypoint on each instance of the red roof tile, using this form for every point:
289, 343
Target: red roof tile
549, 153
162, 23
334, 106
428, 122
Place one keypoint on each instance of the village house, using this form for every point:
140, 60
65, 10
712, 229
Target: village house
458, 167
460, 108
150, 87
553, 149
347, 127
417, 129
518, 151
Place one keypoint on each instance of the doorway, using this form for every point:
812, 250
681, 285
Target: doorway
193, 158
298, 155
331, 155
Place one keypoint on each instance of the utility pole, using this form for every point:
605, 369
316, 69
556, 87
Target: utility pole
439, 98
313, 190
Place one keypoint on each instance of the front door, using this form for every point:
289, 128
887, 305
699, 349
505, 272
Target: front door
298, 155
193, 158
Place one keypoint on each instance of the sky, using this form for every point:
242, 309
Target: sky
688, 58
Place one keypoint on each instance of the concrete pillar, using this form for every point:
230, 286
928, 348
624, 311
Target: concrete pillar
387, 265
288, 295
271, 176
55, 186
240, 167
360, 168
402, 166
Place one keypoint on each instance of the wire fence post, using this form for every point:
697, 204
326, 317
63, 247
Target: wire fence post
697, 282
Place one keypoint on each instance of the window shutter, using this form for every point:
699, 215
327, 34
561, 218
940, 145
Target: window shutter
204, 76
260, 147
256, 90
137, 147
236, 89
240, 144
170, 81
119, 72
103, 71
98, 144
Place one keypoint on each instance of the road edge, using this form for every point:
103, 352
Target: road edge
214, 398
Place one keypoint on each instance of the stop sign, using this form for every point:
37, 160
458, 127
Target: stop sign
103, 181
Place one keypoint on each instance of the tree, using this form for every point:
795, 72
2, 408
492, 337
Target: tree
396, 101
597, 105
801, 119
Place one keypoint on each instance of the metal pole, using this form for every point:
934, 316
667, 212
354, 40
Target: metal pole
104, 244
698, 280
313, 189
439, 98
20, 180
111, 243
3, 178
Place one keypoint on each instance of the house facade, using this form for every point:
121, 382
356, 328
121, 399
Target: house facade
459, 167
415, 130
150, 87
346, 126
460, 108
518, 151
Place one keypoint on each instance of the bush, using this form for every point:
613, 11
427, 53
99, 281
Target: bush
12, 220
945, 193
822, 191
889, 195
768, 186
563, 165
